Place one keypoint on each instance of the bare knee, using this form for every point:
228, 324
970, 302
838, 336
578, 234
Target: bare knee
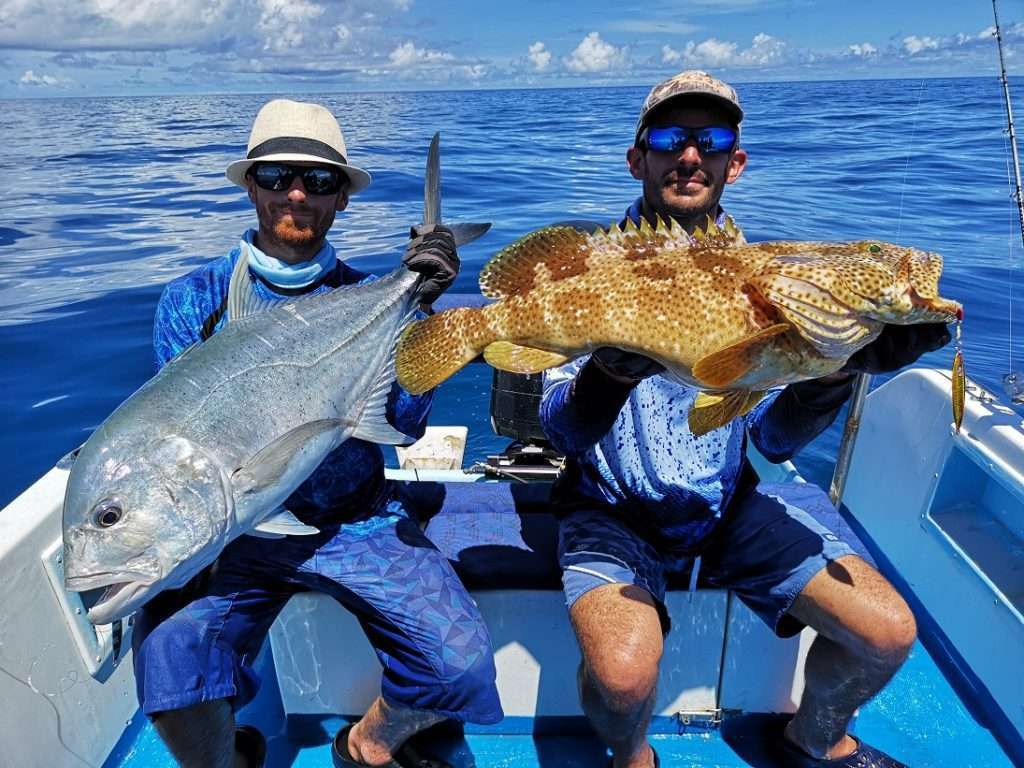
891, 639
623, 682
619, 631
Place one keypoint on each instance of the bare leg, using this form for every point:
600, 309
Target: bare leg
201, 736
619, 633
383, 729
865, 631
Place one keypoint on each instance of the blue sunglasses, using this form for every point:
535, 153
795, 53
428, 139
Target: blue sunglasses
710, 140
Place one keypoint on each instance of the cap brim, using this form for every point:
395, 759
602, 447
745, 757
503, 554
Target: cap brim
357, 177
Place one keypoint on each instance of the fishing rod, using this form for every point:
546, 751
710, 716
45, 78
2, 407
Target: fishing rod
1013, 382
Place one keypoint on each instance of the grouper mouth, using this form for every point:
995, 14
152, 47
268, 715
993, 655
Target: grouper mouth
948, 309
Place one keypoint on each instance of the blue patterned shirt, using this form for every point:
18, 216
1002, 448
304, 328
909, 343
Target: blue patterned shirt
655, 472
349, 483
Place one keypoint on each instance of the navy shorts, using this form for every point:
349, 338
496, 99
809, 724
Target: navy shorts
427, 632
766, 550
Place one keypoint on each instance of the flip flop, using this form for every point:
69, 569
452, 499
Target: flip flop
406, 757
251, 743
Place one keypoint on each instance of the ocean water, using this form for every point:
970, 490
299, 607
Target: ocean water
107, 199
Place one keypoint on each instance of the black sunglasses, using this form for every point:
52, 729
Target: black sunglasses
277, 177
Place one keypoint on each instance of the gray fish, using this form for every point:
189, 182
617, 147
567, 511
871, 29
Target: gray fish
209, 448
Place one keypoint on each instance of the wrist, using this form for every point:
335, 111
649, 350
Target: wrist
618, 378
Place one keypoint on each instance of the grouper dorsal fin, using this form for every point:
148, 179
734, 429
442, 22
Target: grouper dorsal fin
713, 236
507, 356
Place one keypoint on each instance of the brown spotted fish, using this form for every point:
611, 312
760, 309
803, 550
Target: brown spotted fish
730, 318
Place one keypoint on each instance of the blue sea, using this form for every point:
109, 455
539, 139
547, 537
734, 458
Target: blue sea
107, 199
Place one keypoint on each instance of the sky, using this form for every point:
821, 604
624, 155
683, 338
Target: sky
59, 48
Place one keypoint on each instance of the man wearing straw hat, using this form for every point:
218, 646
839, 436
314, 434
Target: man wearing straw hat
194, 648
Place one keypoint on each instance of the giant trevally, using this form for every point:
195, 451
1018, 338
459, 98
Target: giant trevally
209, 448
731, 318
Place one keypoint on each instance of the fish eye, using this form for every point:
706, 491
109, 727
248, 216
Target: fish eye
107, 513
875, 248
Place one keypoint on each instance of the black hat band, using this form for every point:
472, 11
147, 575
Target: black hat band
296, 145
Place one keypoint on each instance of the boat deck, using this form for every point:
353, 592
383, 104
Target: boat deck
918, 718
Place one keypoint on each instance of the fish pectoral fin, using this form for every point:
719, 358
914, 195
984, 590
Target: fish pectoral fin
713, 410
273, 462
281, 522
724, 366
506, 356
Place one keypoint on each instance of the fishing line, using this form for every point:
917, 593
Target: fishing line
1009, 239
906, 167
47, 698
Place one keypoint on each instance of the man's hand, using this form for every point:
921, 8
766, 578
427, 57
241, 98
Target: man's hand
431, 252
898, 346
625, 367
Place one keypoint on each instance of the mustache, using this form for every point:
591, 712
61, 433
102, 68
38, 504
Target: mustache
685, 173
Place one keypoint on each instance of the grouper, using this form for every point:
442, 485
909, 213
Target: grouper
211, 447
730, 318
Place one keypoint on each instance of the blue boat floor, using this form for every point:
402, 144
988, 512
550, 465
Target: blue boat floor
917, 718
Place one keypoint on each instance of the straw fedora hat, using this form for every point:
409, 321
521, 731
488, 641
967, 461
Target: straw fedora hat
295, 131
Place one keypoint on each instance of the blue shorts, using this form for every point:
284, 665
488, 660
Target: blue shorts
766, 550
431, 641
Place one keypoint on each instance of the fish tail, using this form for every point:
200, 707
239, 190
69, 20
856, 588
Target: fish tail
433, 349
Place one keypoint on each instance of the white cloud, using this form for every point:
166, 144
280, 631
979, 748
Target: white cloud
595, 55
113, 24
540, 57
31, 78
764, 50
915, 44
863, 50
282, 22
408, 55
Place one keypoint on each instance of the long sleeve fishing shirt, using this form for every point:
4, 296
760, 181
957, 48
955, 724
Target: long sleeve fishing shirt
631, 446
349, 483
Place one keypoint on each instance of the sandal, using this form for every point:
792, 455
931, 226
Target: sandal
864, 756
406, 757
250, 743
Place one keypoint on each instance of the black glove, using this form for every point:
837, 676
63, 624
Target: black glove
627, 367
431, 252
898, 346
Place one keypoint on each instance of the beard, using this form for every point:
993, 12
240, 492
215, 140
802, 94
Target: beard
287, 231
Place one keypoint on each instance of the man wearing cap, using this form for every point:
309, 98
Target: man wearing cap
194, 648
646, 498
